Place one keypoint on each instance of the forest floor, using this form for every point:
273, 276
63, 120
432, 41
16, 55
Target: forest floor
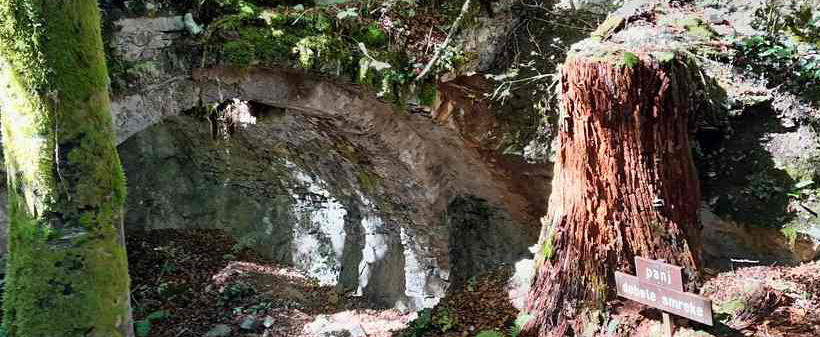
195, 282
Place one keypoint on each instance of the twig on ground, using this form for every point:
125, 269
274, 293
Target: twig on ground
429, 38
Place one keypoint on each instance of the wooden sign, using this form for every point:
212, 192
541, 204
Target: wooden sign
687, 305
660, 285
659, 273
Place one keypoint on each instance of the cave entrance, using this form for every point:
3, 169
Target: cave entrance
281, 211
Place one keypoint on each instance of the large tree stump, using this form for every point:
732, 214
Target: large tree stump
624, 184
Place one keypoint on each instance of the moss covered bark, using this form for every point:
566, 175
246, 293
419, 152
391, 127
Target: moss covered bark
67, 273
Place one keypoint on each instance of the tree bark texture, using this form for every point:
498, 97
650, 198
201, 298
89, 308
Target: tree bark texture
624, 186
67, 272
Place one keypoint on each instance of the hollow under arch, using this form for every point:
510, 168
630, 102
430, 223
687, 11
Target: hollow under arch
404, 183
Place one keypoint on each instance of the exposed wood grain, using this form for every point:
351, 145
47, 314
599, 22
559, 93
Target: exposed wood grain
624, 185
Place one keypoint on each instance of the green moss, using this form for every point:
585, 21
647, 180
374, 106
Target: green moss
372, 36
629, 59
428, 94
145, 69
67, 271
695, 26
546, 250
731, 307
240, 53
790, 232
281, 37
610, 26
312, 39
368, 182
801, 171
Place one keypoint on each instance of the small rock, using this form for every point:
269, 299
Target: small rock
219, 330
250, 322
326, 326
268, 322
190, 25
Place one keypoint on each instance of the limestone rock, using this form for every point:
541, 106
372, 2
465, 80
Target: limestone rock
268, 322
518, 286
143, 38
190, 25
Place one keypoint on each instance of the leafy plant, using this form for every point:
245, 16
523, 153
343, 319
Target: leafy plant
236, 290
143, 327
489, 333
761, 187
445, 321
789, 51
800, 188
422, 324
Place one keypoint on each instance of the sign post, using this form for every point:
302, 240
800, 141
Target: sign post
660, 285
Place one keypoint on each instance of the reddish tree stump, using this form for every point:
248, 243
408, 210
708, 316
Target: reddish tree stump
624, 184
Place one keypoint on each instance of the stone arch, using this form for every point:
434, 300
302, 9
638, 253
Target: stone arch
397, 174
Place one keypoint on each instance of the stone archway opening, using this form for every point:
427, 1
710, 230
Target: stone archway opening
336, 192
285, 184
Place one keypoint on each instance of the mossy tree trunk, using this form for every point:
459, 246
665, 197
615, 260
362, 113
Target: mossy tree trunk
67, 272
624, 185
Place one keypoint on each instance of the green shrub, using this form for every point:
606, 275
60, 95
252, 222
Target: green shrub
422, 324
445, 321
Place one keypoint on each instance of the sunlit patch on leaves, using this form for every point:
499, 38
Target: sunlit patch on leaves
664, 56
629, 60
348, 13
520, 322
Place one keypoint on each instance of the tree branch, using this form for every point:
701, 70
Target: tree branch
453, 29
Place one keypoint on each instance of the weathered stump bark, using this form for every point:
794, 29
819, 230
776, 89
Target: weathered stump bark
67, 271
624, 185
